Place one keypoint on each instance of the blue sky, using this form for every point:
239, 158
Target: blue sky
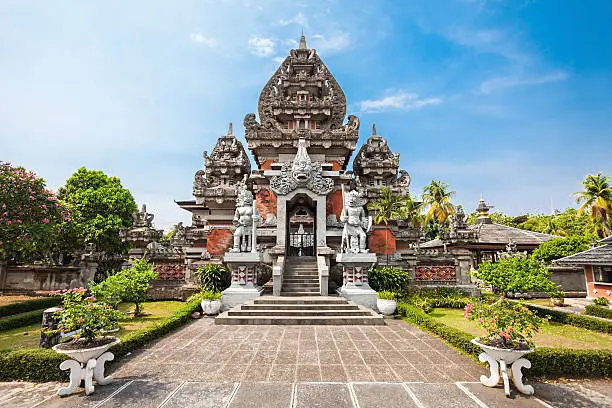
509, 99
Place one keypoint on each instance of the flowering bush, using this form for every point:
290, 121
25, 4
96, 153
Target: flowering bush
83, 314
507, 324
30, 215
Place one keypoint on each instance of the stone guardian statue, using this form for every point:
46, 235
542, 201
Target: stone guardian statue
243, 221
356, 222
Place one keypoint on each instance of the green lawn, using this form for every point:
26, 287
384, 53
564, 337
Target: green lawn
553, 334
28, 337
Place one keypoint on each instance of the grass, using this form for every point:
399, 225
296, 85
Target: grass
29, 336
10, 299
553, 334
541, 302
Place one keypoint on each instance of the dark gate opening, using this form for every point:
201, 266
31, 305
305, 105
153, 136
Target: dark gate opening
301, 226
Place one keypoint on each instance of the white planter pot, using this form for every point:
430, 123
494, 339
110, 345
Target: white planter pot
499, 359
386, 307
211, 307
84, 355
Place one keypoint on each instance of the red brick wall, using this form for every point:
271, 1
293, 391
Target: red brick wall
334, 204
335, 165
266, 165
380, 244
219, 241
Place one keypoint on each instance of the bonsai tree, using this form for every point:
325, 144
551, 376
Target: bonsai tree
507, 324
85, 316
516, 274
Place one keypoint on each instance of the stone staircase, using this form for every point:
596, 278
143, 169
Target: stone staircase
300, 310
301, 277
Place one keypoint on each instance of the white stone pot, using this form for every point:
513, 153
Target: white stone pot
386, 307
499, 359
86, 354
211, 307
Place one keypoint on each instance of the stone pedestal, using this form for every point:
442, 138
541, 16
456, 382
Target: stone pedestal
355, 271
243, 266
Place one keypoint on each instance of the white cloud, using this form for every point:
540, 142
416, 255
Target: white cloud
332, 43
299, 19
262, 46
502, 83
278, 60
200, 39
492, 41
399, 100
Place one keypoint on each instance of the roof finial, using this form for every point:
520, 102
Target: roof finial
302, 45
373, 129
230, 130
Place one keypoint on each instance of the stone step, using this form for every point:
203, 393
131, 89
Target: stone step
300, 293
300, 321
300, 279
301, 286
299, 306
287, 289
298, 312
300, 273
322, 300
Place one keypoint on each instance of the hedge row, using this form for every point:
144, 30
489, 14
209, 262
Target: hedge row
29, 305
24, 319
585, 322
598, 311
546, 362
43, 365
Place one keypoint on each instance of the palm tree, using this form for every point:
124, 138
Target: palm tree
413, 210
597, 198
387, 207
438, 197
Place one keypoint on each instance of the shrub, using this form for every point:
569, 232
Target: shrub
585, 322
389, 278
29, 305
516, 274
214, 276
25, 319
601, 301
209, 294
557, 248
386, 295
507, 324
598, 311
84, 315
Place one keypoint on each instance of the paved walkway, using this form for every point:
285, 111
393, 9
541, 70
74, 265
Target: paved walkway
204, 365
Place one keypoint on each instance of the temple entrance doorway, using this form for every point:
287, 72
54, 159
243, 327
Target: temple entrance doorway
301, 225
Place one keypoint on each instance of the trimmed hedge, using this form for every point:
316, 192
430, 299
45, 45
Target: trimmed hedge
24, 319
598, 311
43, 365
572, 319
29, 305
545, 361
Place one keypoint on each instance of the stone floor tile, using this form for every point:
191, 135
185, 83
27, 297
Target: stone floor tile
363, 345
231, 372
329, 357
441, 395
495, 397
141, 394
333, 372
382, 395
201, 395
262, 395
433, 374
383, 372
372, 357
78, 399
416, 358
308, 373
326, 345
358, 373
282, 373
286, 357
308, 357
323, 395
264, 357
407, 373
257, 372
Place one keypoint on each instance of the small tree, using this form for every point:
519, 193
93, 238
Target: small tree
387, 207
557, 248
213, 277
516, 274
127, 285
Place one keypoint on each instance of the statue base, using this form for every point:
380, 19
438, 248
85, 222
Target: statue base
355, 270
243, 266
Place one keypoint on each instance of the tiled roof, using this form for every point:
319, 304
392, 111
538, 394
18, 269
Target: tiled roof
499, 234
601, 255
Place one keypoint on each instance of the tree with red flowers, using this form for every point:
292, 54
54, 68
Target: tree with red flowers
30, 215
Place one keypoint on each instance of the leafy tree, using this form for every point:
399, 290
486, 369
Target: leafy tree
101, 207
387, 207
516, 274
127, 285
438, 197
557, 248
30, 215
597, 199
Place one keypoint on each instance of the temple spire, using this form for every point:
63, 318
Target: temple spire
373, 129
230, 131
302, 45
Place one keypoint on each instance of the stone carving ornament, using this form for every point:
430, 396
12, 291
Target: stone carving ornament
302, 172
243, 221
356, 222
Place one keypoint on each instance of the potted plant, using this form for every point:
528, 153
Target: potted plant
509, 327
211, 302
88, 320
557, 297
386, 302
